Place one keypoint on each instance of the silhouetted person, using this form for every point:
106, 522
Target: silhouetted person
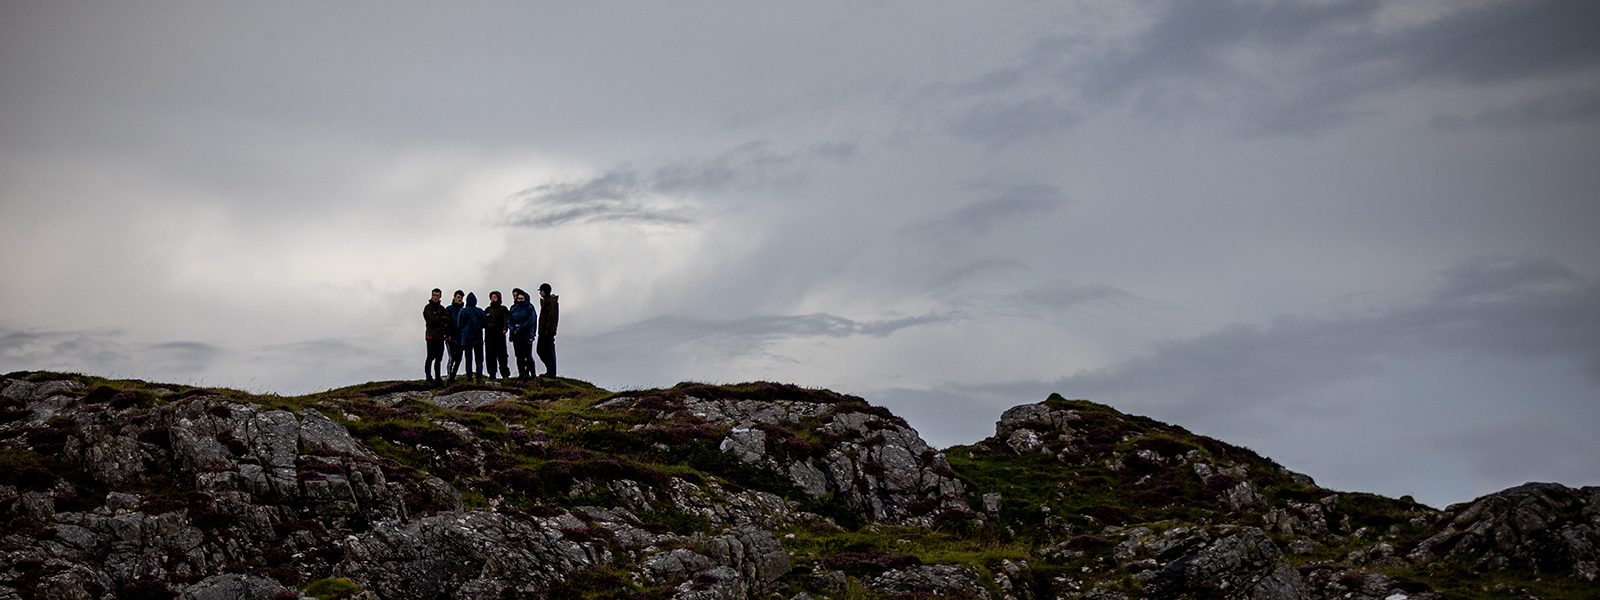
523, 324
549, 314
436, 327
454, 341
495, 321
470, 321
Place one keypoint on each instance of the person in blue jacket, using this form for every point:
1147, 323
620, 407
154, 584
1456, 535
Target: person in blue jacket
454, 341
524, 322
469, 323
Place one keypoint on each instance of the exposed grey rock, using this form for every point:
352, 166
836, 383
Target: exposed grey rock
1341, 584
876, 465
490, 554
745, 413
754, 554
395, 399
1023, 441
470, 399
321, 436
750, 445
215, 498
675, 565
717, 583
1013, 577
1544, 527
936, 581
1227, 562
723, 508
28, 392
234, 586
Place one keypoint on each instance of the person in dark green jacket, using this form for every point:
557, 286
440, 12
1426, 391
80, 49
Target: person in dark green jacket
495, 325
436, 327
549, 315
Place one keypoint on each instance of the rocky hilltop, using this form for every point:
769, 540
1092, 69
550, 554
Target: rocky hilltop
128, 489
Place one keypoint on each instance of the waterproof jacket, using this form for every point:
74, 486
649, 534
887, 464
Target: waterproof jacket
455, 322
523, 320
549, 315
470, 321
436, 320
494, 319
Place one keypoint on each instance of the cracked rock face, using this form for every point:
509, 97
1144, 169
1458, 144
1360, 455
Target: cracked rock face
1546, 528
873, 463
473, 554
1227, 562
225, 485
123, 489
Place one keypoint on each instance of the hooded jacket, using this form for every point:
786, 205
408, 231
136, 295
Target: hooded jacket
523, 318
550, 314
454, 310
470, 321
495, 318
436, 320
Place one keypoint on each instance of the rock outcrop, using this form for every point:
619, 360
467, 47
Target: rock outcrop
1539, 527
123, 489
833, 448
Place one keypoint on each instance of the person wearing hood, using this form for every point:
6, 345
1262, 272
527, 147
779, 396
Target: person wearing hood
436, 327
494, 325
453, 342
523, 323
549, 314
470, 324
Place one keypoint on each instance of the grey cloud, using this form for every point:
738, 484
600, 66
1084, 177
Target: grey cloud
1551, 109
1499, 41
181, 357
656, 196
944, 418
619, 196
1190, 39
1003, 122
1311, 66
31, 349
1511, 307
1005, 204
683, 329
318, 350
1568, 450
656, 349
979, 267
1487, 276
1060, 295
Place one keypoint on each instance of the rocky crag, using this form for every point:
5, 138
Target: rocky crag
127, 489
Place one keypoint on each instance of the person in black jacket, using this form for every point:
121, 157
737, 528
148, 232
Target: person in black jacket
436, 327
549, 315
495, 322
470, 321
523, 323
454, 341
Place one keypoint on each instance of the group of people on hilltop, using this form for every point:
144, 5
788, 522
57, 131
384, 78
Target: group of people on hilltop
463, 329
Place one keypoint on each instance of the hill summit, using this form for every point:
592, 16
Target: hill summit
559, 489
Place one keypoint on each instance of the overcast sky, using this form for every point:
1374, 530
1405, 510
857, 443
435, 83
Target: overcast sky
1360, 237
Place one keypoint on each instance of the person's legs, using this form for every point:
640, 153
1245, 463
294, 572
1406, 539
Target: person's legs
547, 354
435, 355
524, 349
455, 359
497, 356
476, 360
